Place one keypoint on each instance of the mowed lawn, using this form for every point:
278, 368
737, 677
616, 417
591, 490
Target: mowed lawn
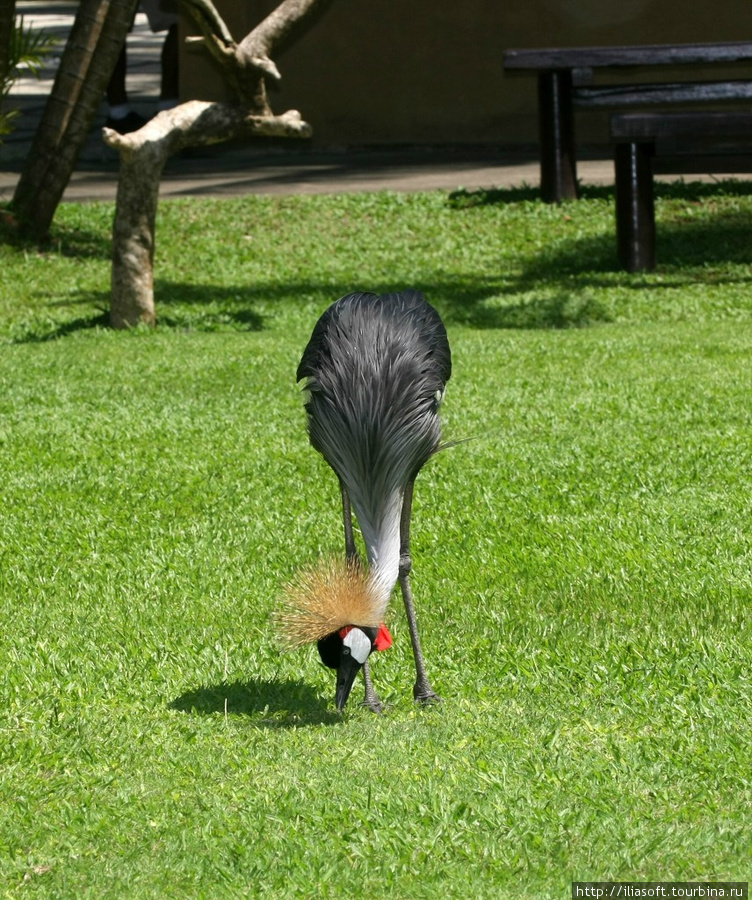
582, 564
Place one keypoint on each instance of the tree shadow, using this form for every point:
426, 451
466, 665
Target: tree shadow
270, 703
64, 240
179, 306
566, 309
204, 307
43, 330
76, 243
685, 249
554, 288
567, 273
669, 190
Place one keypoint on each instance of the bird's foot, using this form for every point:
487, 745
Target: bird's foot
424, 693
374, 704
371, 698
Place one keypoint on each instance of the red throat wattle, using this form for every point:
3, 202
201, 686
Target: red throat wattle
383, 639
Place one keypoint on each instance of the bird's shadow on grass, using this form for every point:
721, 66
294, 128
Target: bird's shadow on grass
268, 703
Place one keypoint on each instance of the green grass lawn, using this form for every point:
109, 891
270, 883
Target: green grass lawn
582, 566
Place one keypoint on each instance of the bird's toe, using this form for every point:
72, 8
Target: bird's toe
425, 695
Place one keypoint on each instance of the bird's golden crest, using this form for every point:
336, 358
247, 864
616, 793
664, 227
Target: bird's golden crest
325, 598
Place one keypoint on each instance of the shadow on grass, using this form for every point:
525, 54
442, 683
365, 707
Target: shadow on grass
76, 243
179, 307
278, 704
41, 332
545, 290
689, 250
66, 241
668, 190
213, 306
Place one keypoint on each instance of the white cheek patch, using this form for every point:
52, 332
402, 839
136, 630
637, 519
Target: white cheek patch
359, 645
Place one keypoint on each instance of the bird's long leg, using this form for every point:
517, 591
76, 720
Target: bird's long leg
371, 699
422, 690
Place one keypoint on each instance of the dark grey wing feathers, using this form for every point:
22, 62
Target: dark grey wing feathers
376, 367
317, 345
407, 306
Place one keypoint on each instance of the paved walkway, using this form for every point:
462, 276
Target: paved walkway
221, 171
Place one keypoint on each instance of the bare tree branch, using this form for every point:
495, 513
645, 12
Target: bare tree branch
245, 80
282, 26
143, 153
205, 15
198, 123
246, 64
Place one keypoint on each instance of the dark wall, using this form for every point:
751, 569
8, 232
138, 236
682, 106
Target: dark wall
430, 71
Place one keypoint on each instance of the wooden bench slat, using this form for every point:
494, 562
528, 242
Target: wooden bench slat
679, 92
645, 55
649, 126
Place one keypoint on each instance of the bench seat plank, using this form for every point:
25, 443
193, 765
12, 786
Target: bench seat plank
677, 92
613, 57
690, 123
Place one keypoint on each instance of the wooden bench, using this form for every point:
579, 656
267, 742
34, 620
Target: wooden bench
675, 142
566, 79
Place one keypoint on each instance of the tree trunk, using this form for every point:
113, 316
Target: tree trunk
7, 24
143, 154
95, 41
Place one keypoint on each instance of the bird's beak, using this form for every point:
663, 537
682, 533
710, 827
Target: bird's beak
348, 669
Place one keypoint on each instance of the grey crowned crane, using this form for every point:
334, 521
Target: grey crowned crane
375, 370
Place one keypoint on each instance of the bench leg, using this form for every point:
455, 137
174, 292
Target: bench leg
556, 126
635, 210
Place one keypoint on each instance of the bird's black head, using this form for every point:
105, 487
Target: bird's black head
346, 650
